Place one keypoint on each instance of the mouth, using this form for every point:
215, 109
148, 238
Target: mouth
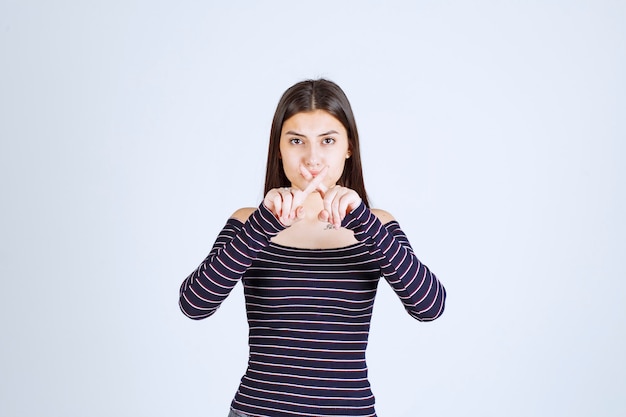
308, 174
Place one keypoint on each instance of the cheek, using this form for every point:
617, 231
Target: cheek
291, 162
341, 159
291, 167
338, 167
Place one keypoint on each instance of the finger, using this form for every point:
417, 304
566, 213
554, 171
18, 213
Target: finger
316, 182
353, 202
344, 205
287, 205
300, 213
277, 203
329, 197
269, 200
322, 189
336, 215
347, 201
323, 216
306, 173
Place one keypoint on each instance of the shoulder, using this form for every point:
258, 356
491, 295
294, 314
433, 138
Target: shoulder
384, 216
243, 213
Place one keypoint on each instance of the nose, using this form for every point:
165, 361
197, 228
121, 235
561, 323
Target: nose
313, 157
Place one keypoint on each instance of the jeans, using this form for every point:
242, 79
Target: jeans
234, 413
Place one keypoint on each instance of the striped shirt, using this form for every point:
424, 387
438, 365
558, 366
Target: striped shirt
309, 310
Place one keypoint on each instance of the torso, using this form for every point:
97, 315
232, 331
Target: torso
309, 314
309, 300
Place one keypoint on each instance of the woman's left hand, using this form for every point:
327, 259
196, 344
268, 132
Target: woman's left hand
338, 201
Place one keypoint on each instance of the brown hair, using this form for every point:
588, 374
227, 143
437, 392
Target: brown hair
307, 96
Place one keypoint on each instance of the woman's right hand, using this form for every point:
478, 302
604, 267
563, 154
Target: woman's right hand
286, 202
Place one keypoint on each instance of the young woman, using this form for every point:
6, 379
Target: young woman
310, 257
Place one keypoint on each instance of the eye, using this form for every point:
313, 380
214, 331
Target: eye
328, 141
295, 141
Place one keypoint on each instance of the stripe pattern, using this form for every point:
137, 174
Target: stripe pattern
309, 310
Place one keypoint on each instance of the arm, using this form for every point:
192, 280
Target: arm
419, 289
237, 245
202, 292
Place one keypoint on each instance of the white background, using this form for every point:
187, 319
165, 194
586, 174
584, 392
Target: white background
493, 130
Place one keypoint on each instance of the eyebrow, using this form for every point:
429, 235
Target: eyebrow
330, 132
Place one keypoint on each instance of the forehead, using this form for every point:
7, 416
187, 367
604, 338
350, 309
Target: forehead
313, 123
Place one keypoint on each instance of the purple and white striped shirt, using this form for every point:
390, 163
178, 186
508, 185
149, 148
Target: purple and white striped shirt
309, 310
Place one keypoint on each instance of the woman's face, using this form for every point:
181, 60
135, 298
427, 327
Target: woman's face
313, 140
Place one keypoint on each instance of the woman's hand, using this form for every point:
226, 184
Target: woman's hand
286, 203
338, 201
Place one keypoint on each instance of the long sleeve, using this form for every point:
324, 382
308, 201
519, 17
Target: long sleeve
237, 245
419, 289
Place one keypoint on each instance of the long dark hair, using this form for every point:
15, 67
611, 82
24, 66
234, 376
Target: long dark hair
307, 96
